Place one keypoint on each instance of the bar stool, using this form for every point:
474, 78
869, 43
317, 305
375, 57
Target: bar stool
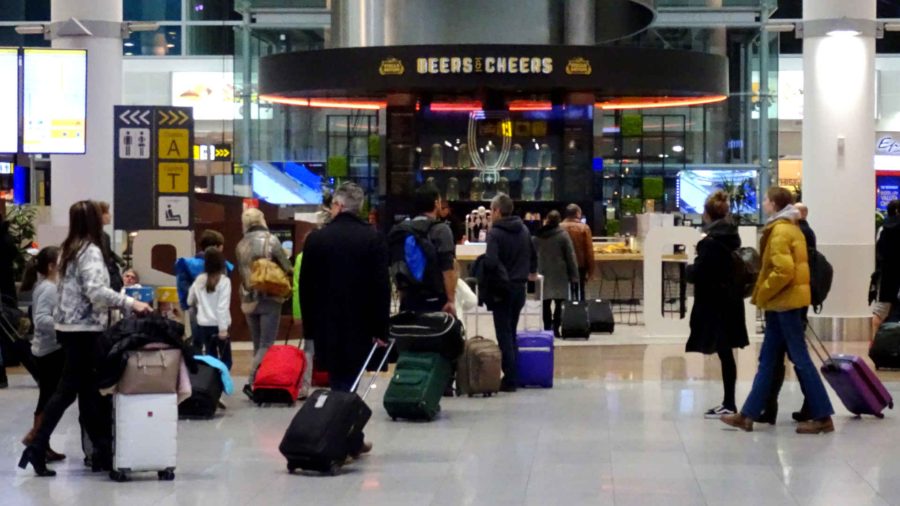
624, 300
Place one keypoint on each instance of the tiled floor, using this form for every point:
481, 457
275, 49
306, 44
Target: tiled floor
628, 431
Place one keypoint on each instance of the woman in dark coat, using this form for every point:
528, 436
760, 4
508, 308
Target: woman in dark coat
717, 318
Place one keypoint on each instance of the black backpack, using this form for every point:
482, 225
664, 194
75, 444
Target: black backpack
493, 281
414, 259
747, 265
821, 274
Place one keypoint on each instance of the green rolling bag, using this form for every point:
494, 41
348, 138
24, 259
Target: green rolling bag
417, 386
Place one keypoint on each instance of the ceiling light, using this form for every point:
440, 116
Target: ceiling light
843, 33
30, 29
677, 148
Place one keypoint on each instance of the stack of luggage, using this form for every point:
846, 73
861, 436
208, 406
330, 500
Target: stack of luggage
429, 344
145, 366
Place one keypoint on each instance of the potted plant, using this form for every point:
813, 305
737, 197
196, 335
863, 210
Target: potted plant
23, 231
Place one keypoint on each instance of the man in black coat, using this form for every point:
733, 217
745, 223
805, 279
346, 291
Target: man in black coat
887, 265
509, 242
345, 291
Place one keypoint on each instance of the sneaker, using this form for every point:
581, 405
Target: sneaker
718, 412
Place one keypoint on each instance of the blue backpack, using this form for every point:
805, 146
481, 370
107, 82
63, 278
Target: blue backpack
414, 259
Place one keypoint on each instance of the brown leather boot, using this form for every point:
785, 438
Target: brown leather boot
53, 456
29, 438
738, 420
825, 425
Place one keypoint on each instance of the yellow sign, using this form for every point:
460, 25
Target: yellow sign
506, 128
174, 143
173, 178
391, 67
578, 66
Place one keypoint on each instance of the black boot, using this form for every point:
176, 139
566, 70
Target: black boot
4, 382
101, 460
37, 457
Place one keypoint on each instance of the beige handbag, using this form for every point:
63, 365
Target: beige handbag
267, 277
151, 372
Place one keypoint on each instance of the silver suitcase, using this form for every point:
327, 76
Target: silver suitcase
145, 437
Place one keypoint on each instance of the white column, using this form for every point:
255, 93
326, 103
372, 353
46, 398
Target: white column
838, 146
78, 177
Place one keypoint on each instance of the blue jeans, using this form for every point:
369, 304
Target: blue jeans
784, 330
506, 319
206, 342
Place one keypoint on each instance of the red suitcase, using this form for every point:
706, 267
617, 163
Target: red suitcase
854, 381
280, 375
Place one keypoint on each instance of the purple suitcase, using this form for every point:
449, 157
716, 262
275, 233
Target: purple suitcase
534, 358
854, 381
534, 355
858, 387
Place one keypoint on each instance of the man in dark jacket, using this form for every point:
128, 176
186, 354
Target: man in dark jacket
887, 253
808, 233
509, 242
345, 291
437, 292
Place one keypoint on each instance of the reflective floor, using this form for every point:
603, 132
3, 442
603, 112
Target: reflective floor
622, 426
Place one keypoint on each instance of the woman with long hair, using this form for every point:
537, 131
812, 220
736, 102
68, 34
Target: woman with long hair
80, 318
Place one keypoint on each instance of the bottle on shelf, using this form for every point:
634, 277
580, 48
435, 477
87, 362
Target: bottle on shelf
503, 185
437, 156
516, 156
491, 156
527, 188
476, 191
547, 191
545, 157
463, 159
452, 189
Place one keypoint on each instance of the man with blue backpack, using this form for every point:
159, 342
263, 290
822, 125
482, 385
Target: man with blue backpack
422, 254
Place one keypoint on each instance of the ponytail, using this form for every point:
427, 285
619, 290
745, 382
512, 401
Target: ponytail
213, 266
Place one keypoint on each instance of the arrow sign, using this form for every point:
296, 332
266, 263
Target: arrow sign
184, 117
223, 153
135, 116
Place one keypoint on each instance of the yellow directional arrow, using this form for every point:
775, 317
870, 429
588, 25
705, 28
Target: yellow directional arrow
165, 117
224, 153
184, 117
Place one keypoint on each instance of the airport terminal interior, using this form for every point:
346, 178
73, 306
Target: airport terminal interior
258, 169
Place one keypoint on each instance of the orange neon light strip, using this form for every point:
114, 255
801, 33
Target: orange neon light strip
329, 103
455, 106
530, 105
657, 102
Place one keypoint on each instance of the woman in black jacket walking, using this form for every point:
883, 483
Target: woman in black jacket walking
717, 318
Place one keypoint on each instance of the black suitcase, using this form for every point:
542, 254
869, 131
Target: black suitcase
428, 333
206, 389
321, 433
885, 350
574, 320
600, 316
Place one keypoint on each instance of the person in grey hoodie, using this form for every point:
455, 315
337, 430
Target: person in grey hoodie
44, 346
84, 300
509, 243
559, 266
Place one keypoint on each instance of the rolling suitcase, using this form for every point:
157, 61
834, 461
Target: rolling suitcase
280, 375
417, 386
145, 437
320, 435
600, 316
479, 370
885, 350
859, 389
574, 319
534, 352
206, 389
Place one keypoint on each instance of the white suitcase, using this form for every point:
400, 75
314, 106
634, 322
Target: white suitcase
145, 437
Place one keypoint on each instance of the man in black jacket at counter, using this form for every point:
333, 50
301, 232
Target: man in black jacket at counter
509, 242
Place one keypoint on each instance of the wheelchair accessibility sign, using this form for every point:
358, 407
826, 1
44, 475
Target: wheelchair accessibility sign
174, 212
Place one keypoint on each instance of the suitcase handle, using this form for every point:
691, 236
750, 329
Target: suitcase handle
362, 371
816, 344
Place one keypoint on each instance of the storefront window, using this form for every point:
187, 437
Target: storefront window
165, 41
151, 10
210, 40
9, 38
212, 10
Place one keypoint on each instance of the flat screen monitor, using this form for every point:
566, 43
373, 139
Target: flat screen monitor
9, 100
694, 185
888, 190
55, 101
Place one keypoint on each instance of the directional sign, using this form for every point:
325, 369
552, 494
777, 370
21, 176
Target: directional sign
212, 152
153, 167
173, 177
223, 152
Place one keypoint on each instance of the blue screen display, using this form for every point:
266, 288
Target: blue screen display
888, 189
694, 186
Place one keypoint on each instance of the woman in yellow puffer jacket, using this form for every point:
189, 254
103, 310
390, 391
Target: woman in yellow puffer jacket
783, 292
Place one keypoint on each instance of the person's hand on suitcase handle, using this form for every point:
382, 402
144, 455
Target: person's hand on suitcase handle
141, 308
450, 308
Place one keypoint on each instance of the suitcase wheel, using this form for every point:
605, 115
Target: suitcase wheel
335, 469
471, 395
879, 416
489, 394
291, 468
891, 405
167, 475
118, 476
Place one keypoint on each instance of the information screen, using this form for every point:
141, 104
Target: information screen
888, 190
9, 100
55, 101
693, 186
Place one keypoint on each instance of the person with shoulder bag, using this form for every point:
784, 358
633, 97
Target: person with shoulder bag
265, 285
80, 319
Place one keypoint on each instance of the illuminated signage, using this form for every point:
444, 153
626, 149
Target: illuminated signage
55, 101
484, 64
9, 100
